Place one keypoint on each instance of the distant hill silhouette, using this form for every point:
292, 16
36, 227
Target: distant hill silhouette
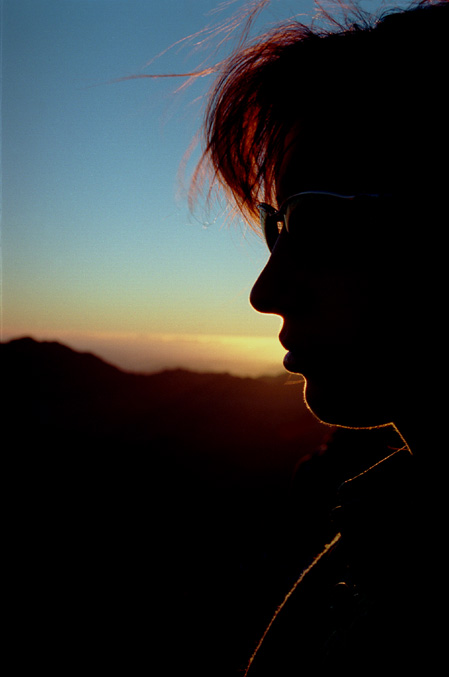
145, 496
77, 401
156, 517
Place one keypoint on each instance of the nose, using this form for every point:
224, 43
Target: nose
266, 294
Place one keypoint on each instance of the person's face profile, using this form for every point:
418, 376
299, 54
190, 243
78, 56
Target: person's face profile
325, 278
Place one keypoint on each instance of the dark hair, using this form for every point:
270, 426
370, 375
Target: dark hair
386, 71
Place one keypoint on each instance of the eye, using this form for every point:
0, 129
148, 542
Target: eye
273, 229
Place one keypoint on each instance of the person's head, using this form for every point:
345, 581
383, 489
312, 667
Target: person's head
359, 111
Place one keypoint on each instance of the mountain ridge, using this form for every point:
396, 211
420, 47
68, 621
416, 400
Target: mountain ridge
134, 497
170, 497
61, 391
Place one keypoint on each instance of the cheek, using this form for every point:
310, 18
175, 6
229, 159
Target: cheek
337, 308
354, 353
359, 306
351, 322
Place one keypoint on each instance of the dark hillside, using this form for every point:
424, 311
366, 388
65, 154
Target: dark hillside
152, 516
67, 401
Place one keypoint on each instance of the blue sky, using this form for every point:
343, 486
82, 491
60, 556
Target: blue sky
99, 249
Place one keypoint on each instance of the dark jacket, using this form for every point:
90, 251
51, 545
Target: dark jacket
370, 601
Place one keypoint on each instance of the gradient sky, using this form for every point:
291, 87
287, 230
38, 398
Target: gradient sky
99, 249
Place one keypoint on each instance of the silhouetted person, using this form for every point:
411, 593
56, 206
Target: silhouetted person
344, 134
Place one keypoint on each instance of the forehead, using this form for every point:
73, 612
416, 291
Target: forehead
334, 159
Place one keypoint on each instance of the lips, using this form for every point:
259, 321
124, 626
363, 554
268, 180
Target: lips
285, 340
292, 362
304, 356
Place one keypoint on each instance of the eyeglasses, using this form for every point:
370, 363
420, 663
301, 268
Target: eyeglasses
313, 207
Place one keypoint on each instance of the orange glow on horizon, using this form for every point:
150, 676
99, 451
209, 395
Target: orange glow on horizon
148, 352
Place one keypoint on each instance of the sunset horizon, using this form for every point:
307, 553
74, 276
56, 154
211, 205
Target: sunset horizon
101, 250
244, 356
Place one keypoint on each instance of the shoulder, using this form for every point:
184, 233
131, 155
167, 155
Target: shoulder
364, 599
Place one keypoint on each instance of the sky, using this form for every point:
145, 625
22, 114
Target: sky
99, 249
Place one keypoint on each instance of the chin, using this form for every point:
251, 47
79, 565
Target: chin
340, 389
339, 404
